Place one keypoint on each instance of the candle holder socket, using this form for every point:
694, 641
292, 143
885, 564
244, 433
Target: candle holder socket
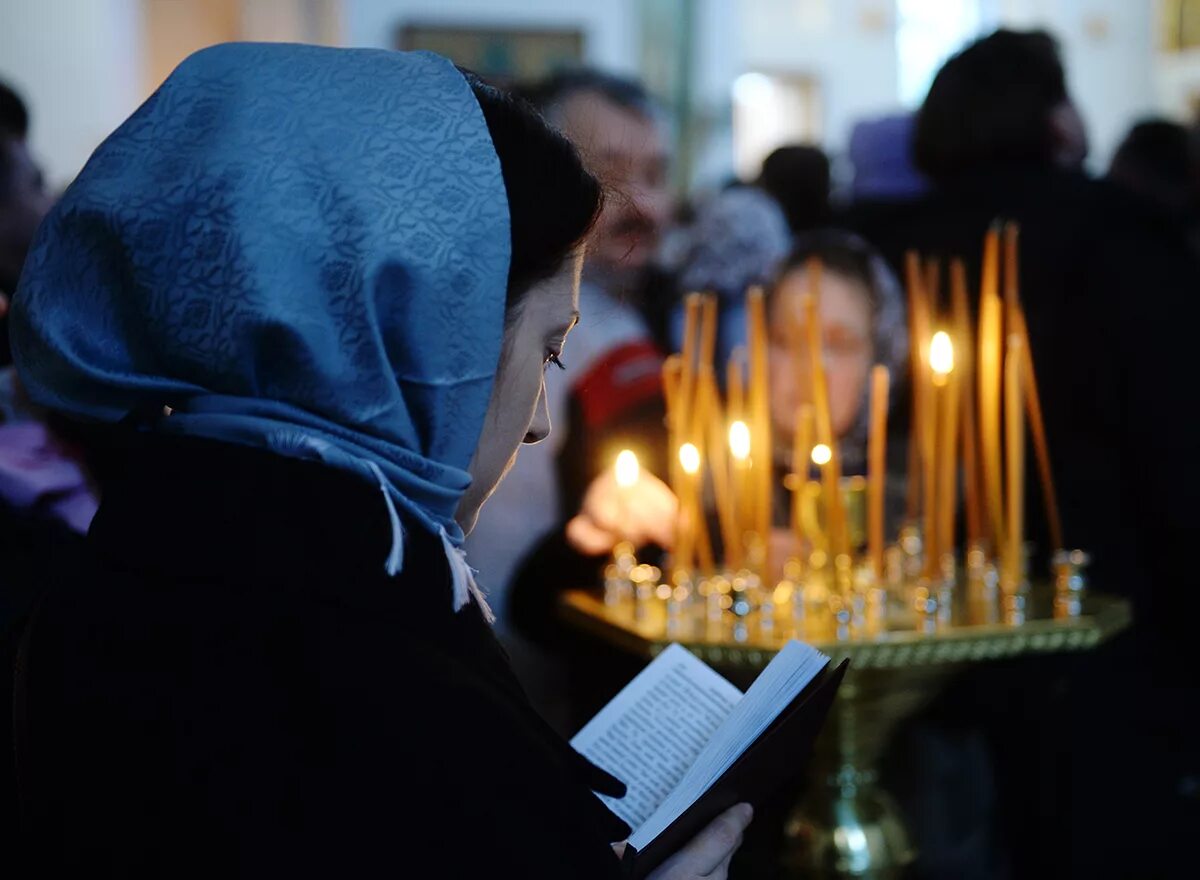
1069, 581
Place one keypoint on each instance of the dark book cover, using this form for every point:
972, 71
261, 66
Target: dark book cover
775, 759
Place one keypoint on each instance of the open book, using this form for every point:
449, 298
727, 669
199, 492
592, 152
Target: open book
688, 744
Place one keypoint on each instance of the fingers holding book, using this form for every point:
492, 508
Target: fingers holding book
708, 854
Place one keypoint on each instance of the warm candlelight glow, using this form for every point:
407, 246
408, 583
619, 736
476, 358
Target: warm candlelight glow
821, 454
689, 458
739, 440
627, 468
941, 354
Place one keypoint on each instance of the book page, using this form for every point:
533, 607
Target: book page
651, 732
788, 673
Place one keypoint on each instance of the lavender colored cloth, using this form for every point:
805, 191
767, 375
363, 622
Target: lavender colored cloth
881, 152
38, 475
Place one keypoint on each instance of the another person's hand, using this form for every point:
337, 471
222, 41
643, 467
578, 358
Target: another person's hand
641, 514
708, 854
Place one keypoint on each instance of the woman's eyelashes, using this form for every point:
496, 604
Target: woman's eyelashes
553, 357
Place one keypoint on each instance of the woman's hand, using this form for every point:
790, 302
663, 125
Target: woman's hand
641, 514
708, 854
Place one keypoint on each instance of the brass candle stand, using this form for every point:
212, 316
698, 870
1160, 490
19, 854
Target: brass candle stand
847, 825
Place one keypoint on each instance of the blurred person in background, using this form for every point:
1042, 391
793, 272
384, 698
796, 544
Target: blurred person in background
560, 496
47, 498
24, 201
797, 177
1101, 274
886, 183
862, 317
1157, 162
736, 239
610, 394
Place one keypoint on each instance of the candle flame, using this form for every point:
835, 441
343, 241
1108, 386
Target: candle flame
739, 440
941, 353
689, 458
627, 468
822, 454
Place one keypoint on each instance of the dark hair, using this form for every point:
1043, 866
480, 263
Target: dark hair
14, 125
14, 117
1156, 160
550, 93
552, 199
991, 102
797, 177
838, 252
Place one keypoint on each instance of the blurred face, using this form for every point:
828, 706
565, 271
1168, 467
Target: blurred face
23, 203
1070, 135
845, 316
626, 151
533, 341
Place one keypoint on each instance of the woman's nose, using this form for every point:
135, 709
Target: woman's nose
539, 428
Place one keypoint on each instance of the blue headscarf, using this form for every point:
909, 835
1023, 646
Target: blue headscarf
296, 248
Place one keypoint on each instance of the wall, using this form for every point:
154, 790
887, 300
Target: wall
848, 46
78, 64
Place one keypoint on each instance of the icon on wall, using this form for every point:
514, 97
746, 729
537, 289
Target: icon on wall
501, 55
1180, 25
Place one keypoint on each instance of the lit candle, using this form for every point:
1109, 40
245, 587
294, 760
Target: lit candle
966, 389
689, 462
831, 474
941, 362
627, 471
1015, 447
946, 385
990, 355
739, 449
877, 466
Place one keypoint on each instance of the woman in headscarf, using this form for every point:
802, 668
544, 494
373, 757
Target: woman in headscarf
308, 295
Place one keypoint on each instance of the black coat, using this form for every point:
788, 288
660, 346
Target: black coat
228, 684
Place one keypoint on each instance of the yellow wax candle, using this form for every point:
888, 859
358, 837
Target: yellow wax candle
707, 336
966, 388
760, 424
736, 414
718, 464
802, 444
1037, 428
739, 451
831, 473
990, 355
1015, 447
947, 446
685, 541
1012, 284
941, 362
692, 305
672, 374
920, 445
877, 466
